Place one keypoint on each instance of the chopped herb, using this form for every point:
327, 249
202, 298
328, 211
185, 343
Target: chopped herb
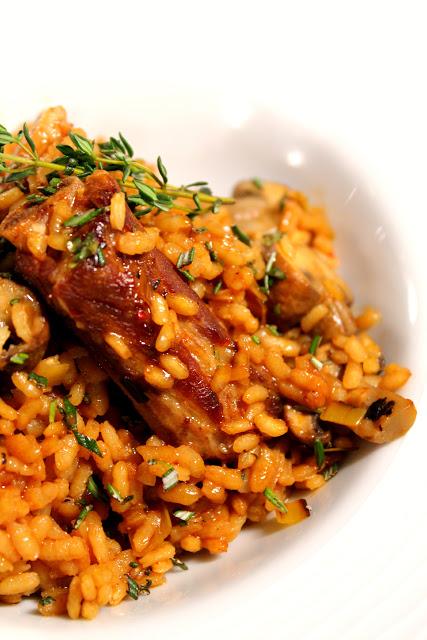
379, 408
82, 218
70, 414
314, 344
134, 564
331, 471
213, 254
241, 235
52, 411
319, 452
273, 329
217, 287
257, 182
133, 588
185, 258
162, 170
200, 229
282, 203
170, 479
52, 186
180, 564
275, 500
43, 602
271, 238
316, 363
116, 494
84, 248
256, 339
187, 275
29, 139
82, 515
99, 257
277, 309
70, 419
93, 488
272, 273
41, 381
88, 443
184, 515
35, 198
19, 358
196, 199
14, 301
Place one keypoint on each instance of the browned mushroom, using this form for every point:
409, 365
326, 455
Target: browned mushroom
305, 426
24, 331
375, 415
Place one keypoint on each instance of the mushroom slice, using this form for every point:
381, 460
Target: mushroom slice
387, 415
305, 426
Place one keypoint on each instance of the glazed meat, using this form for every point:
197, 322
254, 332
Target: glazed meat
110, 306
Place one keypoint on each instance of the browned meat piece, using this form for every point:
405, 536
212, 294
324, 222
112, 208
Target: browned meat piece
304, 287
24, 332
109, 308
257, 211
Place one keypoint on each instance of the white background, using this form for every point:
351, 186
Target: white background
353, 72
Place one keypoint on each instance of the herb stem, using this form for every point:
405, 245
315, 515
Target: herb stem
169, 190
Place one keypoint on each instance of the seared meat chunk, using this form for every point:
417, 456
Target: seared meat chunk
111, 304
308, 278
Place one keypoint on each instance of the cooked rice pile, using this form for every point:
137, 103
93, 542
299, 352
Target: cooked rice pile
58, 538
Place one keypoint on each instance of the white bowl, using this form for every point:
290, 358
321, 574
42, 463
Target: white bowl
329, 100
376, 263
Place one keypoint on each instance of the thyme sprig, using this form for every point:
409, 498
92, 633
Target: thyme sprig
83, 157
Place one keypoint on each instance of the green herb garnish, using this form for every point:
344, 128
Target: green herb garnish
134, 564
133, 588
46, 600
19, 358
257, 182
273, 330
185, 516
331, 471
82, 218
180, 564
217, 287
116, 494
52, 410
319, 452
187, 275
241, 235
256, 339
275, 500
81, 158
185, 258
213, 254
82, 515
41, 381
93, 488
314, 344
70, 419
14, 301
